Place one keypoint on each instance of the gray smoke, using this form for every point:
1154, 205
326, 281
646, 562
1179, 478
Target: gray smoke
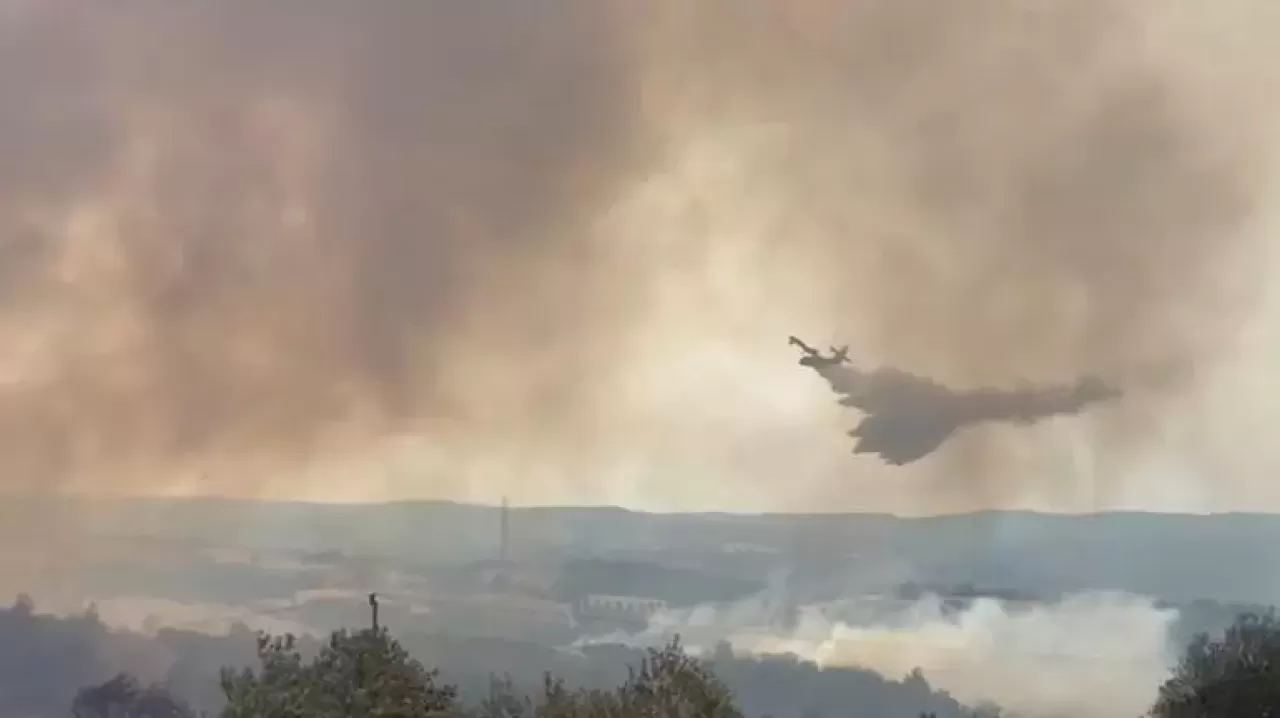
353, 250
1094, 655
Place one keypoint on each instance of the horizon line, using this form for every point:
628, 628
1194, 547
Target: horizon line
497, 506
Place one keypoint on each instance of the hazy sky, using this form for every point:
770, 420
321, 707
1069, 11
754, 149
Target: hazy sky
553, 249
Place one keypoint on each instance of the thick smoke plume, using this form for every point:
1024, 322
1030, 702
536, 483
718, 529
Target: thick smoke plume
1094, 655
909, 416
360, 250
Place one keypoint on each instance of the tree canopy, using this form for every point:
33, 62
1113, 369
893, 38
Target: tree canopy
668, 683
1235, 675
356, 675
369, 675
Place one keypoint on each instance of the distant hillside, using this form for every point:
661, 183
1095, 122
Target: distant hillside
1228, 557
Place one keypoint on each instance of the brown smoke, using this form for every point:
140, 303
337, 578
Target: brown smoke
235, 229
548, 249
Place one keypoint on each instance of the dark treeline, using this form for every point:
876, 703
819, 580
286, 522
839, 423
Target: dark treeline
51, 664
45, 660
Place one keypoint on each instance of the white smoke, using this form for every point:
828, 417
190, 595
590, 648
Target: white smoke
1089, 655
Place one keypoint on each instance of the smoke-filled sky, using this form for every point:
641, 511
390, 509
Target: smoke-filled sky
552, 250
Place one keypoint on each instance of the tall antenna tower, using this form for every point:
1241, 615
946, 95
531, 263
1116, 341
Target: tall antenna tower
504, 535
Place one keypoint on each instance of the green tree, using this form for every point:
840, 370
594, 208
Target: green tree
668, 683
672, 684
369, 675
1237, 675
356, 675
